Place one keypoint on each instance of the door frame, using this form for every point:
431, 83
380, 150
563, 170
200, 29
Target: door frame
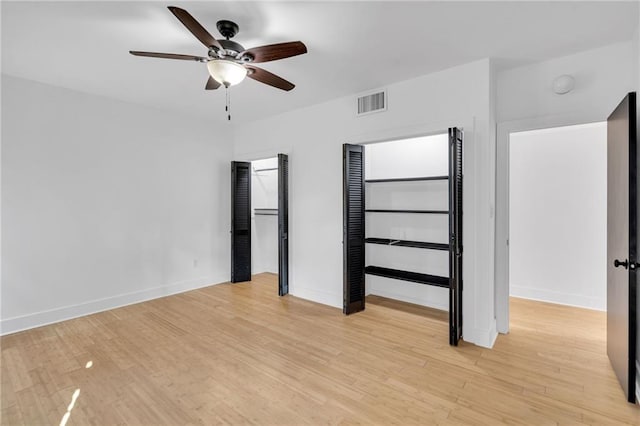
503, 133
454, 228
266, 154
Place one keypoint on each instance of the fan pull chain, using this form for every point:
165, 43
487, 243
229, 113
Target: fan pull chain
227, 107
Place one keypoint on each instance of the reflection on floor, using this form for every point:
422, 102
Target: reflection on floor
237, 353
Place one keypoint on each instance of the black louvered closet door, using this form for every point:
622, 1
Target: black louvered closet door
455, 235
283, 224
240, 221
353, 228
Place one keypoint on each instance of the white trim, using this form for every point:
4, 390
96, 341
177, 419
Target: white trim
317, 296
558, 298
482, 337
407, 132
502, 199
38, 319
261, 154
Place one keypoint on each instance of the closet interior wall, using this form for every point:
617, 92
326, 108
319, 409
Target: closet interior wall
415, 157
264, 215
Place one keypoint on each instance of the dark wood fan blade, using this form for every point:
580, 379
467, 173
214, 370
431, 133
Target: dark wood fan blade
273, 52
264, 76
195, 27
168, 56
212, 84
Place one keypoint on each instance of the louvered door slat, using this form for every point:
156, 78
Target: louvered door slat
455, 235
353, 228
240, 221
283, 224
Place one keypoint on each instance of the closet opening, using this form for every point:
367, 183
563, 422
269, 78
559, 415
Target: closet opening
259, 230
403, 224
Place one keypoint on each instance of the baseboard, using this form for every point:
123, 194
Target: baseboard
560, 298
257, 271
38, 319
312, 295
416, 301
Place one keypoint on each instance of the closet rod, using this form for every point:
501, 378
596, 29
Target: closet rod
265, 170
265, 211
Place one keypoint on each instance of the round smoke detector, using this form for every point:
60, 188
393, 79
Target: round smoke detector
563, 84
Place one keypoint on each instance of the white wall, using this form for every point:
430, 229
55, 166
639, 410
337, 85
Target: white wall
603, 77
558, 215
313, 137
405, 158
105, 203
264, 228
414, 157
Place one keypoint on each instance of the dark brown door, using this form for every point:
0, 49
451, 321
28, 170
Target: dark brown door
622, 237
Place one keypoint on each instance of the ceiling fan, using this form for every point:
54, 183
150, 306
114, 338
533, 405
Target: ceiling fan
229, 62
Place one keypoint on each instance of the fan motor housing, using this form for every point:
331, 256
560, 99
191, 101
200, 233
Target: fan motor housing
231, 45
228, 29
230, 48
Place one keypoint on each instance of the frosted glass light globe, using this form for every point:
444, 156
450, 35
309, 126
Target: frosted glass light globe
225, 72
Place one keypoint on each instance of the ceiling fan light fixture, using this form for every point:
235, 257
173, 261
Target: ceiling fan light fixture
226, 59
227, 73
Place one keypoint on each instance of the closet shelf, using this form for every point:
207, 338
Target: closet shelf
406, 243
266, 212
406, 211
412, 179
415, 277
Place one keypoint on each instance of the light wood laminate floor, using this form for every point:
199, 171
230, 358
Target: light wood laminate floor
237, 353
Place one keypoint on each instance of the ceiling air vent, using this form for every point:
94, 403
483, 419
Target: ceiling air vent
372, 102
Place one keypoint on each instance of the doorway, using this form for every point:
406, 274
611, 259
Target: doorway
527, 129
618, 326
558, 215
259, 220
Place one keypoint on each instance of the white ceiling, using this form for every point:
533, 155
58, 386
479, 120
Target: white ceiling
353, 46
